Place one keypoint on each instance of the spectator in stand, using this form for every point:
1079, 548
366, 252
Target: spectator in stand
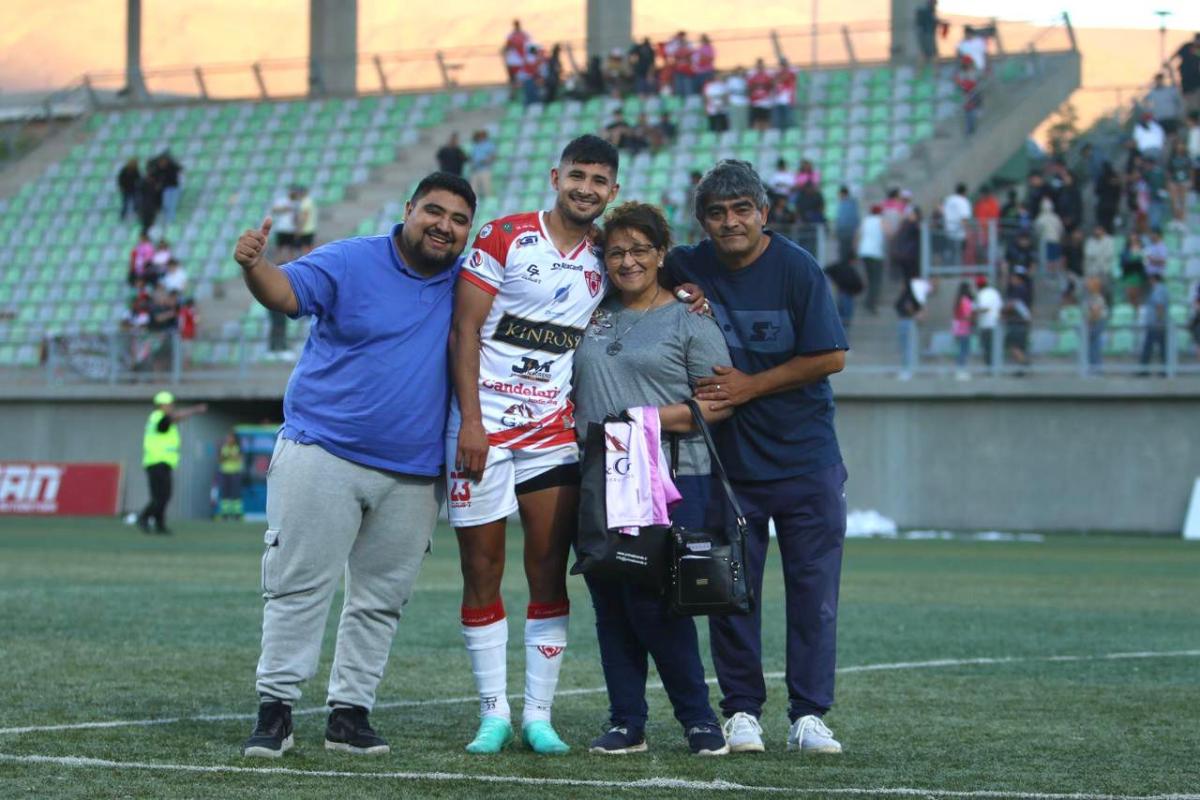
645, 135
716, 104
782, 181
1010, 214
1072, 251
187, 329
529, 75
138, 315
1021, 256
1035, 190
960, 327
284, 212
451, 157
162, 256
1049, 229
906, 245
1194, 321
845, 223
149, 196
1179, 181
1017, 316
780, 215
894, 209
806, 173
641, 60
164, 310
618, 73
988, 305
594, 78
1165, 104
678, 55
1189, 73
1068, 202
618, 132
810, 205
910, 309
1099, 258
1149, 137
927, 26
1157, 201
141, 259
1193, 148
783, 96
967, 80
483, 159
128, 180
514, 55
174, 279
761, 88
1108, 197
704, 62
665, 131
551, 73
1095, 315
168, 174
306, 222
1133, 270
871, 249
1154, 315
737, 93
985, 212
956, 214
1156, 254
974, 46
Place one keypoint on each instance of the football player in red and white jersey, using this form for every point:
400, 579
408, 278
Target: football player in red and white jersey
527, 290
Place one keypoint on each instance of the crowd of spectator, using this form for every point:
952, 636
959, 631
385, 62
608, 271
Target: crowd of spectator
159, 303
145, 193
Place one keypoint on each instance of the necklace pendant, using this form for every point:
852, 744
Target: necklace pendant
613, 348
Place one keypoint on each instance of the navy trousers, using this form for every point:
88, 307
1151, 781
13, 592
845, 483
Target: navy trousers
633, 622
810, 525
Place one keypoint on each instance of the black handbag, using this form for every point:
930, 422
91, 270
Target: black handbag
607, 553
708, 567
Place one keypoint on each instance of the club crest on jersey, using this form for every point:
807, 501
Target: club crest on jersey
476, 258
507, 227
485, 231
526, 241
593, 281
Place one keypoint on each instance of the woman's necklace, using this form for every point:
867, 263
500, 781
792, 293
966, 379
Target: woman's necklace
615, 346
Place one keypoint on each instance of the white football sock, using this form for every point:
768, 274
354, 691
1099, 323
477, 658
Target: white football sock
486, 634
545, 642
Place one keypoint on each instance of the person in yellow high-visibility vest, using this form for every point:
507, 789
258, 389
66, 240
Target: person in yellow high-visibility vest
160, 457
230, 465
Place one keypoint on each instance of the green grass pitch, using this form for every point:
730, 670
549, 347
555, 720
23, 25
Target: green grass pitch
102, 623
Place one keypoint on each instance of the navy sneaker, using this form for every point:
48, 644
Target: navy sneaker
349, 731
272, 736
707, 740
619, 741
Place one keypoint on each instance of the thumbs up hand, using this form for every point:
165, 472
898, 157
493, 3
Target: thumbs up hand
252, 245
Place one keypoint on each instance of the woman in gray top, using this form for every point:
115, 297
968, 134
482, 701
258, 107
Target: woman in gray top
643, 348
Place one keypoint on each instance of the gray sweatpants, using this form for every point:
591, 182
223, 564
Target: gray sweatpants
326, 516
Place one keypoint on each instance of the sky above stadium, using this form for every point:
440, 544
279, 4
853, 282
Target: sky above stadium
49, 44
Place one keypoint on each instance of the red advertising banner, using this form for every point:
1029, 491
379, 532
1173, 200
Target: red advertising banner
42, 487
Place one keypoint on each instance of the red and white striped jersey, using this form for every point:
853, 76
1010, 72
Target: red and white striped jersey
543, 302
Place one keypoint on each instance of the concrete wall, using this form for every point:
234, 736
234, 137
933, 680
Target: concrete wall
332, 46
609, 25
1038, 454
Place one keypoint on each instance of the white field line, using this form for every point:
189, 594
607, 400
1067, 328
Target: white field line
520, 780
444, 701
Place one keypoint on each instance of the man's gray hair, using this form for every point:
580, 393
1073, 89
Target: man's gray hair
728, 179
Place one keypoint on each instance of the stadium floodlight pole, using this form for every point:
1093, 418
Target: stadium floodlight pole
1162, 38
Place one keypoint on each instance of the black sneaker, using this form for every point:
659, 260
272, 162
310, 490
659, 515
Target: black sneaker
143, 524
272, 735
349, 731
619, 741
707, 740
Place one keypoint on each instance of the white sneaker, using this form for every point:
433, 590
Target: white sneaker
743, 733
810, 735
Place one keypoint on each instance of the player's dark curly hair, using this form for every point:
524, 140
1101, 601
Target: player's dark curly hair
644, 218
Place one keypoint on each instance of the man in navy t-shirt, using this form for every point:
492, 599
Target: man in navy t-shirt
785, 338
352, 485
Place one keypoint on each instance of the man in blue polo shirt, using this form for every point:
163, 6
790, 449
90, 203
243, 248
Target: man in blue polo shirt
779, 320
353, 484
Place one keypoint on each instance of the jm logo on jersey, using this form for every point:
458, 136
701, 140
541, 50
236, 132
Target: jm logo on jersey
532, 369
